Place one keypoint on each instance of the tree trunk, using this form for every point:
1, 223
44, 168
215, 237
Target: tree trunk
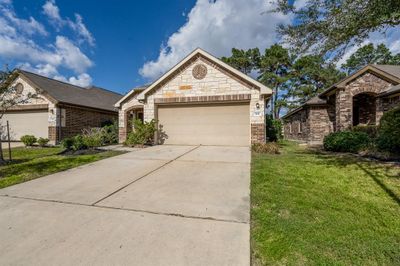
1, 146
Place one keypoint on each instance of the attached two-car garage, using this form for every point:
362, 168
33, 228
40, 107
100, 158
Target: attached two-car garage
25, 122
205, 124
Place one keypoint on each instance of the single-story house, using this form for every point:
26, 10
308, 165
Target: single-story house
59, 109
200, 101
359, 99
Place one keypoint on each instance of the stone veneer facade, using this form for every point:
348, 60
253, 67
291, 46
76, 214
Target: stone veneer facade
318, 121
218, 85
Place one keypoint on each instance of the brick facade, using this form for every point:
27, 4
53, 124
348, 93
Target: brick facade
297, 127
257, 133
367, 83
358, 102
74, 119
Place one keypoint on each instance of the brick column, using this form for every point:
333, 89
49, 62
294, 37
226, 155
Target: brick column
122, 134
54, 134
344, 112
257, 133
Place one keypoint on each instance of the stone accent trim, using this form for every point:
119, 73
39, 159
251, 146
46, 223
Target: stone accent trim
54, 134
257, 133
213, 98
29, 107
122, 134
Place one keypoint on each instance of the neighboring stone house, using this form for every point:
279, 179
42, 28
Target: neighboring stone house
60, 109
200, 101
359, 99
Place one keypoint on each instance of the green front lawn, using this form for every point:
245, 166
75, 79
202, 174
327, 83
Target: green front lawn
31, 163
310, 208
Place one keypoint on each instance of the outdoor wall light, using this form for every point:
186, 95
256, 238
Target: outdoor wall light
257, 105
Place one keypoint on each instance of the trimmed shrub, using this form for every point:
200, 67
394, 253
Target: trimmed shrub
346, 141
110, 133
143, 133
28, 140
389, 131
42, 142
273, 129
92, 137
67, 143
78, 143
372, 131
269, 147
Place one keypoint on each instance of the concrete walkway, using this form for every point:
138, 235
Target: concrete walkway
163, 205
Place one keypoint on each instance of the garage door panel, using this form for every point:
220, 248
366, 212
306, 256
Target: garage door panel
27, 123
206, 124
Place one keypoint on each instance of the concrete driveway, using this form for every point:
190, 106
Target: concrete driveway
164, 205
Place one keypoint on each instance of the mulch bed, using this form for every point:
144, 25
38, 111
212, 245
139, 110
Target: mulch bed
81, 152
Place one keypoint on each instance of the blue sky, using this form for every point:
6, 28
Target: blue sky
122, 44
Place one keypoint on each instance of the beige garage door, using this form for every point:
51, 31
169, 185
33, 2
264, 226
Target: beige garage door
206, 124
27, 123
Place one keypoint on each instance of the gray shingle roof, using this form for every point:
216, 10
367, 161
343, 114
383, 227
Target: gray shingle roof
393, 70
316, 100
93, 97
391, 90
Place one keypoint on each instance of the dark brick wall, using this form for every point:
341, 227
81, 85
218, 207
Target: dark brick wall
297, 126
77, 119
390, 103
321, 123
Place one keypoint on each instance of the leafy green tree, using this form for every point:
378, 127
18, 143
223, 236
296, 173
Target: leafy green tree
243, 60
368, 54
310, 75
293, 80
333, 25
274, 68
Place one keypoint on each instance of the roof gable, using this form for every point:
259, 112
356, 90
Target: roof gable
187, 60
62, 92
390, 73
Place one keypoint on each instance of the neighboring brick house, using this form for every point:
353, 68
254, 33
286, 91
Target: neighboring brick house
201, 100
60, 109
359, 99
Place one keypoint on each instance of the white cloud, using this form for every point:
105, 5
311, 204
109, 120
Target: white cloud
83, 80
18, 43
80, 28
25, 49
71, 55
217, 27
28, 26
51, 10
48, 70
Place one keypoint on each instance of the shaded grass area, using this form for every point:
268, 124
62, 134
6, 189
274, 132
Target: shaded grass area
310, 208
31, 163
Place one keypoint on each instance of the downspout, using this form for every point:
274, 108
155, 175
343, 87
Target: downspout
59, 125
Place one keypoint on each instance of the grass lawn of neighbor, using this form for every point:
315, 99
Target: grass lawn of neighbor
313, 208
31, 163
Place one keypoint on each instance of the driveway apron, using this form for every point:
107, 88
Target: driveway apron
163, 205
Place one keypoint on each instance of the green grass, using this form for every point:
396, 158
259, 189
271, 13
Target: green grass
31, 163
310, 208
